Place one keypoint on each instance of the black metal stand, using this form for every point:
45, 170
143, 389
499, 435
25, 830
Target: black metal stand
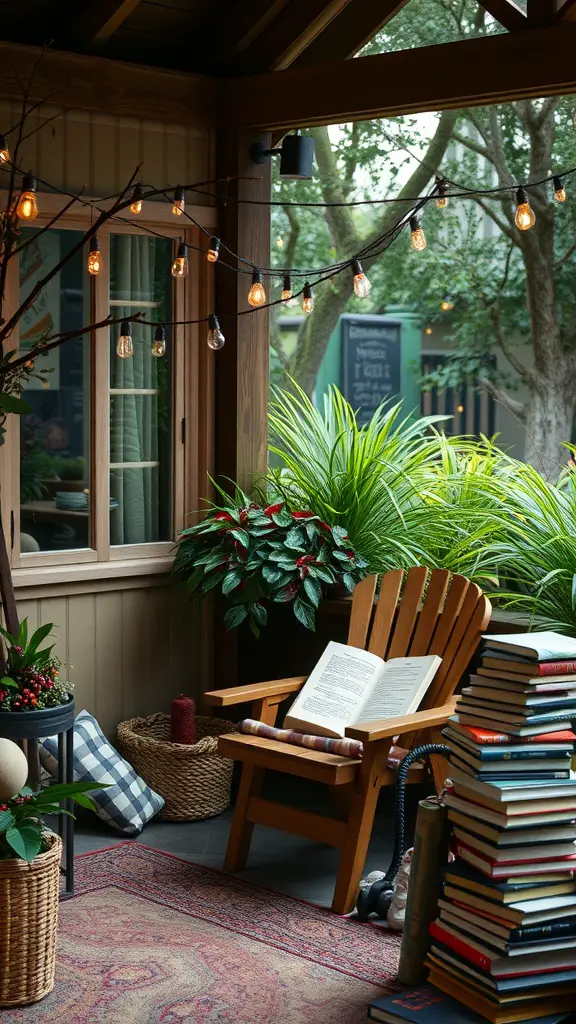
26, 728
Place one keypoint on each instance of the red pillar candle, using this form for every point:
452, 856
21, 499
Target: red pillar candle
183, 720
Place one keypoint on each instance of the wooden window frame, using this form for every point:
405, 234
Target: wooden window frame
192, 407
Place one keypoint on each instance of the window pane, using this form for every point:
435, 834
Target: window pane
140, 394
55, 433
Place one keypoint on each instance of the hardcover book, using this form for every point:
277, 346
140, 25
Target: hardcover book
541, 646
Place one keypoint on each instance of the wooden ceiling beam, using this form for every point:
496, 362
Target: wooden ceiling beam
99, 21
565, 10
287, 35
471, 72
109, 86
507, 12
349, 31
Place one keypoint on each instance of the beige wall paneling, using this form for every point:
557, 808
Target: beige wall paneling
107, 659
81, 648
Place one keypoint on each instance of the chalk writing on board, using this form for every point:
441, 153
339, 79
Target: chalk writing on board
371, 362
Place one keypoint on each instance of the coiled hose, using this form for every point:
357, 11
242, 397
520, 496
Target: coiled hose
376, 898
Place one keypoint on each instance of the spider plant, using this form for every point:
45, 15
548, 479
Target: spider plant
538, 552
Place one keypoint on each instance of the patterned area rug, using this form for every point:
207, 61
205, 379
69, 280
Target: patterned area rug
152, 939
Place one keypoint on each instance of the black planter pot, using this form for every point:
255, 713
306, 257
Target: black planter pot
34, 725
26, 728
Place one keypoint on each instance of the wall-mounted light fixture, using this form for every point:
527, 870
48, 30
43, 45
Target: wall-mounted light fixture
296, 156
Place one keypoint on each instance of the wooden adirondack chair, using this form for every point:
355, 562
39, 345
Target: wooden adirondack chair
418, 612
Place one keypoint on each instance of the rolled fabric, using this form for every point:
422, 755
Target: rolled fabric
183, 720
343, 747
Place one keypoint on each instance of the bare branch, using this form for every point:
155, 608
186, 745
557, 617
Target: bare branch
503, 398
564, 259
55, 340
46, 227
476, 147
506, 229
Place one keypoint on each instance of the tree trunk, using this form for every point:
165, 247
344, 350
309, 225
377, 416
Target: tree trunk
549, 419
313, 336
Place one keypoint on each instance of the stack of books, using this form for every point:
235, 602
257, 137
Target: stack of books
504, 942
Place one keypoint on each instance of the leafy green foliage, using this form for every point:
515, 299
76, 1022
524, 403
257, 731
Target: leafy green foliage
261, 553
32, 679
22, 830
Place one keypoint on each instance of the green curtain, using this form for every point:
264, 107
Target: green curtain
134, 419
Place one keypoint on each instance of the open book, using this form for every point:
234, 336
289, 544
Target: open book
349, 685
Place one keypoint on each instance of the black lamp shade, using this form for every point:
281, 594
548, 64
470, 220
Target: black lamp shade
296, 157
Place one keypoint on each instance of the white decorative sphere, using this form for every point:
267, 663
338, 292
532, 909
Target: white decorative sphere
13, 769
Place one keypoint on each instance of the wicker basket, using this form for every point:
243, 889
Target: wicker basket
193, 779
29, 896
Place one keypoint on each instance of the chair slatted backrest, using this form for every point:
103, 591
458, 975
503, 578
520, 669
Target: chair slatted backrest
422, 611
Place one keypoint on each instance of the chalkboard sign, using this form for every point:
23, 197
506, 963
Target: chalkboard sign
371, 362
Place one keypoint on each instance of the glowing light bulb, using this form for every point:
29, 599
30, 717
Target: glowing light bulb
179, 202
136, 204
215, 338
27, 208
441, 198
4, 151
94, 260
362, 286
125, 346
279, 242
427, 330
446, 305
307, 299
159, 343
418, 238
180, 266
257, 293
525, 217
460, 408
286, 292
214, 250
559, 190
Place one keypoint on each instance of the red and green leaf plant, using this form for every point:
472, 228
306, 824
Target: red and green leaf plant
256, 554
32, 676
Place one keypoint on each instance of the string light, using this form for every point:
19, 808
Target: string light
180, 266
213, 251
427, 330
257, 293
215, 338
418, 238
442, 198
286, 292
279, 242
179, 202
4, 150
94, 261
446, 305
362, 286
460, 408
307, 299
559, 190
136, 204
525, 217
27, 208
159, 343
125, 346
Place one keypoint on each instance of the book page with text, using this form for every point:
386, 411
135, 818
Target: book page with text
400, 688
335, 690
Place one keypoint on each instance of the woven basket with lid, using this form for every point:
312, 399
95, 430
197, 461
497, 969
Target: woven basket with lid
29, 895
193, 779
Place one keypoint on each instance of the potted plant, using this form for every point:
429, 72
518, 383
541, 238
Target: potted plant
29, 880
256, 554
34, 701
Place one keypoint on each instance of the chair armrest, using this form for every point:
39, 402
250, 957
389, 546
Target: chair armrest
386, 728
254, 691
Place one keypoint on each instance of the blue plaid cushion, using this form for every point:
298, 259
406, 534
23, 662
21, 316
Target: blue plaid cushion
128, 803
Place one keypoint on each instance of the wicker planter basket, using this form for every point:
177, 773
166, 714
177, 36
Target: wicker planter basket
193, 779
28, 922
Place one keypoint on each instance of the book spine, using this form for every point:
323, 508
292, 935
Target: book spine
534, 932
470, 953
554, 668
493, 754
